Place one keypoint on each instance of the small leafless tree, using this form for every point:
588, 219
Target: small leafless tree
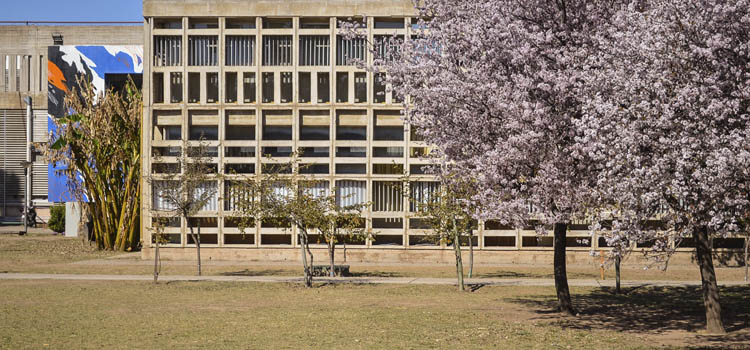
186, 186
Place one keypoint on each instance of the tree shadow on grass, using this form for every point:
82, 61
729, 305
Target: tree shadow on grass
376, 274
247, 272
651, 310
513, 274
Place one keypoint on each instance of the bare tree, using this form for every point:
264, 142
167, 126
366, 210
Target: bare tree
184, 186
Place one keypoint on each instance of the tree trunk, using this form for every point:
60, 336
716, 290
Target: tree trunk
471, 251
459, 260
747, 247
714, 324
308, 283
617, 274
331, 247
197, 240
307, 269
156, 261
561, 276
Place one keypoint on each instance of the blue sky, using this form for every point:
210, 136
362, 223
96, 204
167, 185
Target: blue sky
71, 10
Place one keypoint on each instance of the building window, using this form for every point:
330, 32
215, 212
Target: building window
314, 169
277, 23
230, 87
207, 190
239, 152
240, 50
349, 192
158, 87
351, 125
389, 23
386, 196
57, 39
268, 87
194, 87
314, 50
203, 50
18, 73
168, 23
305, 87
314, 23
351, 169
313, 152
285, 151
240, 132
277, 50
358, 152
167, 51
204, 133
277, 125
243, 121
248, 87
168, 132
388, 152
175, 87
243, 168
349, 50
203, 23
388, 169
324, 86
342, 87
212, 87
240, 23
165, 195
360, 87
286, 87
314, 126
421, 192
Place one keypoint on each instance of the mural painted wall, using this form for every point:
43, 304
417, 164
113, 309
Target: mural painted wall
67, 64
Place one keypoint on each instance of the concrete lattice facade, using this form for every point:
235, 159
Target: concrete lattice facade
267, 77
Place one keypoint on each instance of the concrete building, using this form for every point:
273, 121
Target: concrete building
258, 77
24, 63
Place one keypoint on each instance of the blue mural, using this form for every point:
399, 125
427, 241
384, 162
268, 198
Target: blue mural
67, 64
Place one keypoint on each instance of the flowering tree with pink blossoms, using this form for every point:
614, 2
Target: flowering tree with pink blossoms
669, 118
495, 86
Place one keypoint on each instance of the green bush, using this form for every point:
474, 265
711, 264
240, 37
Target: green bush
57, 218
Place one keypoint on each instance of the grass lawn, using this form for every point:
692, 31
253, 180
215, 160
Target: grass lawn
217, 315
99, 314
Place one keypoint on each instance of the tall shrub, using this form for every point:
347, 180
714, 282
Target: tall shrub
98, 149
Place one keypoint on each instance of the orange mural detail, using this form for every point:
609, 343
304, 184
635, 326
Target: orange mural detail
55, 76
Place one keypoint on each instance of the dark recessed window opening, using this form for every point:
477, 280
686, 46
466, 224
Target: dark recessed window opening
351, 169
240, 132
358, 152
342, 87
324, 86
239, 169
117, 82
314, 152
248, 87
239, 152
194, 87
277, 151
201, 132
351, 133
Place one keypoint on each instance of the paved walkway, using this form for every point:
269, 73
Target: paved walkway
536, 282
